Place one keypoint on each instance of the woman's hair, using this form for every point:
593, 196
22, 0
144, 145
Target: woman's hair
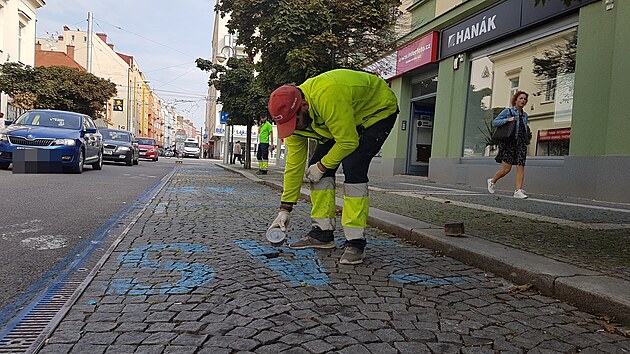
515, 96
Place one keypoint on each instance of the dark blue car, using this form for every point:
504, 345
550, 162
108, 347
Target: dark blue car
66, 138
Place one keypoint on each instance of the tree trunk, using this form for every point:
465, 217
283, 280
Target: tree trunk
248, 147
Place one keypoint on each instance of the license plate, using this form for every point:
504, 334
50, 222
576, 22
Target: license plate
108, 151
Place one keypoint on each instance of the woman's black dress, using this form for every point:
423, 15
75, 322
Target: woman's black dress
514, 152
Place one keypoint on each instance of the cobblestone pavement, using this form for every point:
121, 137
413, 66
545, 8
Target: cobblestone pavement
195, 275
604, 251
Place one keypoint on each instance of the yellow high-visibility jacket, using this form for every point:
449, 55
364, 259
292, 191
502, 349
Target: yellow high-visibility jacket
339, 101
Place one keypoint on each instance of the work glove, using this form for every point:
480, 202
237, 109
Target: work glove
282, 220
313, 173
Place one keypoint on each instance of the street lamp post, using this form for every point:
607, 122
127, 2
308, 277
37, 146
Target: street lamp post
222, 57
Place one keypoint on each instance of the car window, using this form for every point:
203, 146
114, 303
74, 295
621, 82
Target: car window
191, 145
115, 135
145, 141
51, 119
90, 122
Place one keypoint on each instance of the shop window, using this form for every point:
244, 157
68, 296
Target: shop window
546, 70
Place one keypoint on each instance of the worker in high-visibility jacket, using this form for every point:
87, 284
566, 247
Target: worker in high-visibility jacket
350, 114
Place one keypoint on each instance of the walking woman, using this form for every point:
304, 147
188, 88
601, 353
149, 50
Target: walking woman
514, 151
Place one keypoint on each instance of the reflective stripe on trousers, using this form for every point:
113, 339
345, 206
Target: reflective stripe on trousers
323, 213
355, 210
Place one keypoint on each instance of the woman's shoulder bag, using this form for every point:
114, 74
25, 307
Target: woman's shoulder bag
505, 132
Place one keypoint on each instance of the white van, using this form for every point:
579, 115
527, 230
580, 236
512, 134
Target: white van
191, 148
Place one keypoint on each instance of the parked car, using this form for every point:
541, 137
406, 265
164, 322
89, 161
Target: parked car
68, 138
191, 148
120, 146
148, 148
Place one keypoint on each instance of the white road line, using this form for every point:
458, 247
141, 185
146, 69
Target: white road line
534, 199
576, 224
582, 205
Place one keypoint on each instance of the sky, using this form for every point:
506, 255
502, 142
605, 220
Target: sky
165, 37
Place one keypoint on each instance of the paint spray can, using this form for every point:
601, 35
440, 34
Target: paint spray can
276, 236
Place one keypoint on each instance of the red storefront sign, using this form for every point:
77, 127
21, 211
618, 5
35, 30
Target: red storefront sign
417, 53
554, 134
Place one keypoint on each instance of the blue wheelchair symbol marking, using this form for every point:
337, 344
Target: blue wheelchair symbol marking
304, 269
193, 274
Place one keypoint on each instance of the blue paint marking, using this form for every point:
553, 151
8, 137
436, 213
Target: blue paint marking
221, 190
305, 268
193, 276
421, 279
75, 260
183, 189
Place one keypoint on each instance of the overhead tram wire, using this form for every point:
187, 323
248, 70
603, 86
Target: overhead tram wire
148, 39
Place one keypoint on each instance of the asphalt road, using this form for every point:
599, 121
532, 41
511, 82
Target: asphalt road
46, 218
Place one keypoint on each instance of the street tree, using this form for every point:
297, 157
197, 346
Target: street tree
241, 94
299, 39
56, 87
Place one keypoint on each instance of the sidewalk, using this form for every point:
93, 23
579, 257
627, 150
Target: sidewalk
578, 255
194, 274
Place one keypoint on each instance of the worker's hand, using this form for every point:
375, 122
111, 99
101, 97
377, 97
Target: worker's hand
314, 172
282, 220
272, 147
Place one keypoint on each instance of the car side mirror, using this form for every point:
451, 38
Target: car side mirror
90, 130
8, 122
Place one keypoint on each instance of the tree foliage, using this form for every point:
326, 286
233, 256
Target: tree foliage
240, 92
557, 61
56, 87
297, 39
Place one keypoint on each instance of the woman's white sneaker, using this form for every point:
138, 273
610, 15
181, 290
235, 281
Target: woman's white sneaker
520, 194
490, 186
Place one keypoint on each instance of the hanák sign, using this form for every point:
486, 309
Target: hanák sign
500, 20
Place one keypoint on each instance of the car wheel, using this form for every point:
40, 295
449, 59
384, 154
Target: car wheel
155, 159
4, 165
135, 162
78, 169
98, 165
129, 161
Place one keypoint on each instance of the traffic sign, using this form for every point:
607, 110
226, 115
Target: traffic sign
224, 117
180, 136
118, 104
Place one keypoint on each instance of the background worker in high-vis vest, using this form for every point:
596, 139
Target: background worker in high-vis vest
265, 138
350, 114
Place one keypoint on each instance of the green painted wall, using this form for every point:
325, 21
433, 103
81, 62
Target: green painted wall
601, 118
396, 145
450, 108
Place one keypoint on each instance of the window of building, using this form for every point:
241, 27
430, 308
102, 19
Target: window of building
545, 71
514, 85
550, 90
20, 39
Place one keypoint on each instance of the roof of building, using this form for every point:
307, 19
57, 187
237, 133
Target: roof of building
45, 58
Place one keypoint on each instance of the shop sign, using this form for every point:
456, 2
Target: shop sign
481, 28
417, 53
499, 20
385, 68
554, 134
533, 14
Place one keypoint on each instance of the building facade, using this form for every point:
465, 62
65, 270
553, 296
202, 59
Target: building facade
17, 41
478, 53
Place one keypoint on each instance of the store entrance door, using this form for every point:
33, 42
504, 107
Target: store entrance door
421, 126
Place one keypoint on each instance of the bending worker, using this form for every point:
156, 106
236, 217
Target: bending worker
350, 114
